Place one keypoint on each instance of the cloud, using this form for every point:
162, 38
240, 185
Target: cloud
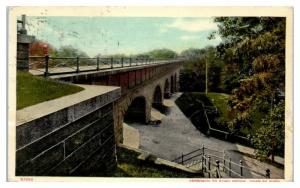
191, 25
189, 37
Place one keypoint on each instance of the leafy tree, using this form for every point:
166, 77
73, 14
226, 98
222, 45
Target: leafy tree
159, 54
193, 74
254, 52
269, 139
37, 48
192, 54
70, 51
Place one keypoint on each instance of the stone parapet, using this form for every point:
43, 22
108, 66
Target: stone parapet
62, 140
23, 42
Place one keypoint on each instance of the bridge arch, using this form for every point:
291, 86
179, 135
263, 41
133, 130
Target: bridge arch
136, 111
175, 83
157, 97
172, 84
167, 89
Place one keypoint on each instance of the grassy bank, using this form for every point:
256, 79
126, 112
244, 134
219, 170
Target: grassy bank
32, 90
193, 109
130, 166
190, 107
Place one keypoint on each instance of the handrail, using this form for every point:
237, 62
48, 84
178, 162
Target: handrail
118, 62
183, 155
236, 173
206, 163
208, 122
192, 157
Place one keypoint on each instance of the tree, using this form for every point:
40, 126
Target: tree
269, 139
255, 48
193, 74
159, 54
37, 48
70, 51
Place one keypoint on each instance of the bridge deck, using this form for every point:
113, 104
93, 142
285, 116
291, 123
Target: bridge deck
58, 72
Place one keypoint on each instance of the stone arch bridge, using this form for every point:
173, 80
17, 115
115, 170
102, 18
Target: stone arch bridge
141, 88
77, 135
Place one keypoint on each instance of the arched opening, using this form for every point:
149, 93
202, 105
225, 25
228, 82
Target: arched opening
172, 84
175, 83
136, 112
157, 98
167, 89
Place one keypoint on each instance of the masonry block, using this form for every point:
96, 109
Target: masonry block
60, 142
40, 164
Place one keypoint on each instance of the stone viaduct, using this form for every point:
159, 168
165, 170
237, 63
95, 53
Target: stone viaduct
77, 135
141, 88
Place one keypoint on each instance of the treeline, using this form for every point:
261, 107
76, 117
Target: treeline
38, 46
192, 76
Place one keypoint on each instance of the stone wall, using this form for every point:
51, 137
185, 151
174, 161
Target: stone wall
75, 141
23, 42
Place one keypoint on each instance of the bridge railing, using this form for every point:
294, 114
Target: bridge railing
215, 163
47, 65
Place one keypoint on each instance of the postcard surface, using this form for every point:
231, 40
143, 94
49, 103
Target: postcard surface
194, 94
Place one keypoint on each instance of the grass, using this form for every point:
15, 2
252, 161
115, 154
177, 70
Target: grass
218, 121
33, 90
130, 166
188, 106
219, 100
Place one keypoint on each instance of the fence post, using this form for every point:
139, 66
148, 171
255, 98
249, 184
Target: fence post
218, 168
224, 161
97, 63
77, 64
122, 60
205, 164
182, 158
46, 65
268, 173
208, 166
241, 166
111, 62
203, 149
202, 161
229, 165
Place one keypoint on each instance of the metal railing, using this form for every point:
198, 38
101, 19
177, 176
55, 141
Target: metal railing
47, 65
211, 129
222, 166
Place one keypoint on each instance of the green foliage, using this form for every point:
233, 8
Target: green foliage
192, 76
32, 90
114, 56
253, 50
269, 139
158, 54
188, 104
69, 51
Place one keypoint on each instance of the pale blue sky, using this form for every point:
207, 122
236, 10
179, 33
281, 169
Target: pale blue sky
128, 35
